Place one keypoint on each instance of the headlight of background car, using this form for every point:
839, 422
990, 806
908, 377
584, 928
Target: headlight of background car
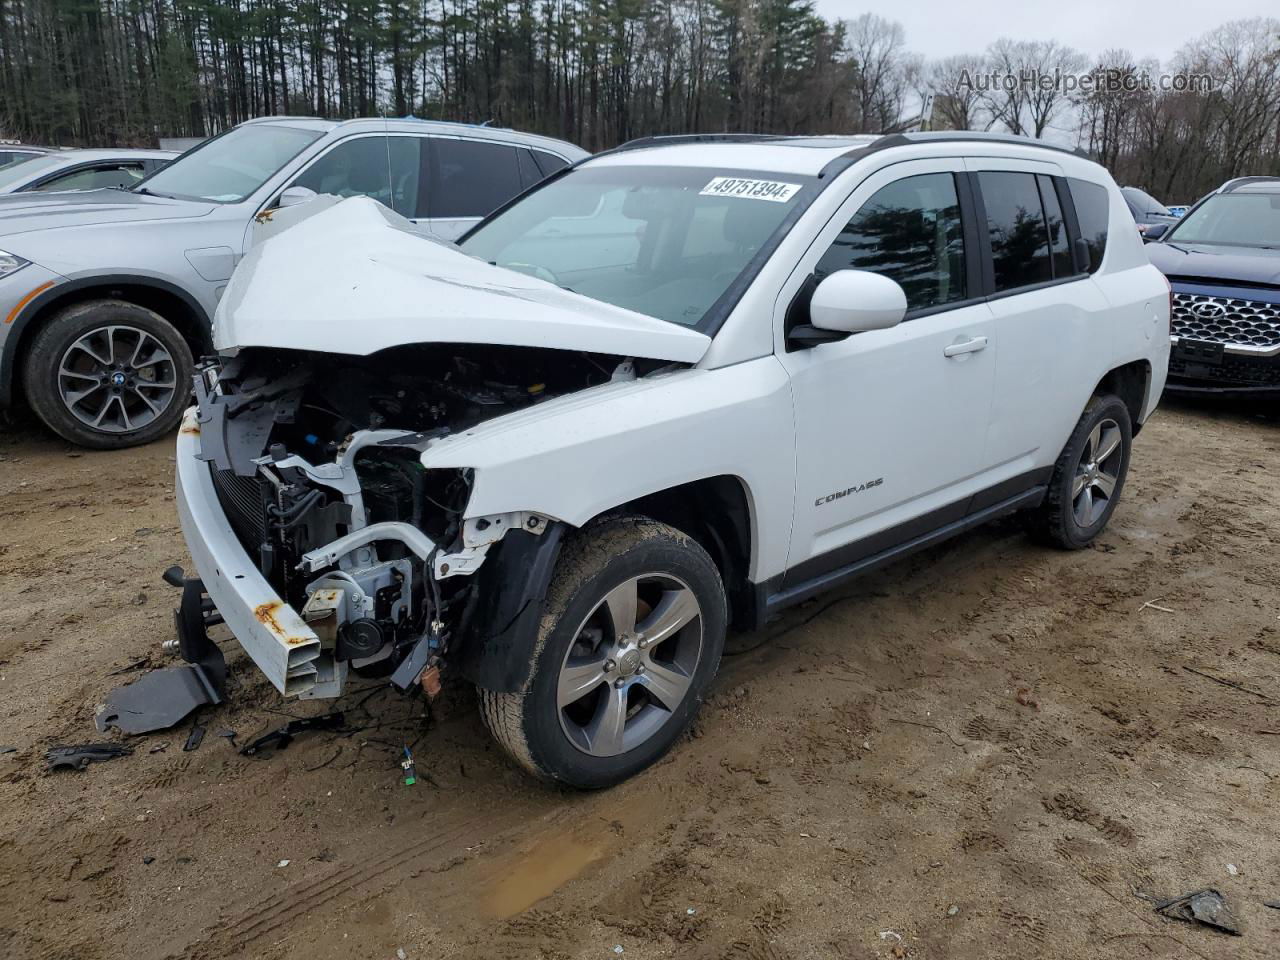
10, 263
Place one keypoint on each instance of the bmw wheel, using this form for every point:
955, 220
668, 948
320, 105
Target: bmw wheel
108, 374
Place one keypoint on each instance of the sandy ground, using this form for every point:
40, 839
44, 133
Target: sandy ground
981, 752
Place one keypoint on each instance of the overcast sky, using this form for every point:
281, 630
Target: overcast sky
1147, 28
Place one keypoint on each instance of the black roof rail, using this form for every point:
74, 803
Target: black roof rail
673, 139
940, 136
1238, 182
971, 136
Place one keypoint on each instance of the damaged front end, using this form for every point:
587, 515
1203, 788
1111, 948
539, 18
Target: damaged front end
322, 541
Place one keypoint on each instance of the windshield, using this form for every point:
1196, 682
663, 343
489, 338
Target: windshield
24, 170
230, 167
1232, 219
1144, 202
662, 241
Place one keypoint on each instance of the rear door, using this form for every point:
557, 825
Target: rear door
1049, 317
472, 178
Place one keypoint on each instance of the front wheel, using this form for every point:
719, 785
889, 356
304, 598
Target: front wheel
1088, 477
108, 374
630, 638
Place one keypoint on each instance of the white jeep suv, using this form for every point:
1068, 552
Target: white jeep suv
679, 387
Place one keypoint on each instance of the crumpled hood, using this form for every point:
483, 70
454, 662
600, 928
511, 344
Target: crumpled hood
357, 278
1212, 262
24, 212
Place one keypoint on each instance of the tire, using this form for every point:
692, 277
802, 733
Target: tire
564, 734
108, 359
1083, 493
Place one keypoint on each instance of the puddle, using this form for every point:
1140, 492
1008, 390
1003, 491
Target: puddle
538, 873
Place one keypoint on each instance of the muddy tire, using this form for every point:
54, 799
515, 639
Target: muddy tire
1088, 477
630, 638
108, 374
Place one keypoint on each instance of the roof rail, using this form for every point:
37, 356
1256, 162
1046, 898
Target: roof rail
280, 116
1238, 182
972, 136
667, 140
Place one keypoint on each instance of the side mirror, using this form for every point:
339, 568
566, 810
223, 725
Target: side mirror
852, 301
1154, 232
293, 196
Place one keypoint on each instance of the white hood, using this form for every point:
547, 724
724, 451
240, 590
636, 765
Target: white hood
356, 278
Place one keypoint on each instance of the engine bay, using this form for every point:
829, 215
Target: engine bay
315, 460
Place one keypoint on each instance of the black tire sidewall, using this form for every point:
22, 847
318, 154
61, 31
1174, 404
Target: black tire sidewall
1103, 408
42, 360
551, 749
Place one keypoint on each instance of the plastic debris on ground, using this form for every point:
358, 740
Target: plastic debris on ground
157, 700
283, 736
1207, 907
79, 756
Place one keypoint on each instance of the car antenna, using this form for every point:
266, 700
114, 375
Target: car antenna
386, 142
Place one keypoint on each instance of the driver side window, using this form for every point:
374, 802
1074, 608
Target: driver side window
909, 231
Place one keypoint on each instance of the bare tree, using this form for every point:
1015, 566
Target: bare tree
1006, 99
875, 47
957, 103
1244, 58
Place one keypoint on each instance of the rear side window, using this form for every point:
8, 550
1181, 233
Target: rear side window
549, 163
1093, 211
472, 179
529, 172
1016, 224
910, 231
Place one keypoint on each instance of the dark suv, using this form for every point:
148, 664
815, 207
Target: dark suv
1223, 262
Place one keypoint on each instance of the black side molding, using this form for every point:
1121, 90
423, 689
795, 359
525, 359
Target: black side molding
777, 596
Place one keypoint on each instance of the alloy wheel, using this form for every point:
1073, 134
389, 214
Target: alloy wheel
630, 665
117, 379
1097, 473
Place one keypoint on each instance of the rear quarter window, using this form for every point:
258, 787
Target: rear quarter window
1093, 212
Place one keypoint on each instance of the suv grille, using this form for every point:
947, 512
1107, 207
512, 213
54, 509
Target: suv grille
244, 501
1242, 323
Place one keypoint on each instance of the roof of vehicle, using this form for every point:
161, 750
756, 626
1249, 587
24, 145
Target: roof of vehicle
89, 154
26, 148
807, 155
1251, 185
416, 125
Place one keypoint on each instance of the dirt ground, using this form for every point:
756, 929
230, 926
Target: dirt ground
986, 751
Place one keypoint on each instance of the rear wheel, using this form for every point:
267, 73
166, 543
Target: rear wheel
1088, 477
108, 374
631, 636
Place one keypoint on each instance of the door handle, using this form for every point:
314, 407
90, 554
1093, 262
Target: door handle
965, 346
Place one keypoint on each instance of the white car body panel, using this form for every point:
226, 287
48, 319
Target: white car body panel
388, 272
681, 426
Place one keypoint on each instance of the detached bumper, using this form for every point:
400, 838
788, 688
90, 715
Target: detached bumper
269, 630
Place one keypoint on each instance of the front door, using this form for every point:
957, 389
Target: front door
891, 424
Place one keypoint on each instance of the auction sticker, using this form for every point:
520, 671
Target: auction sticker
770, 190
